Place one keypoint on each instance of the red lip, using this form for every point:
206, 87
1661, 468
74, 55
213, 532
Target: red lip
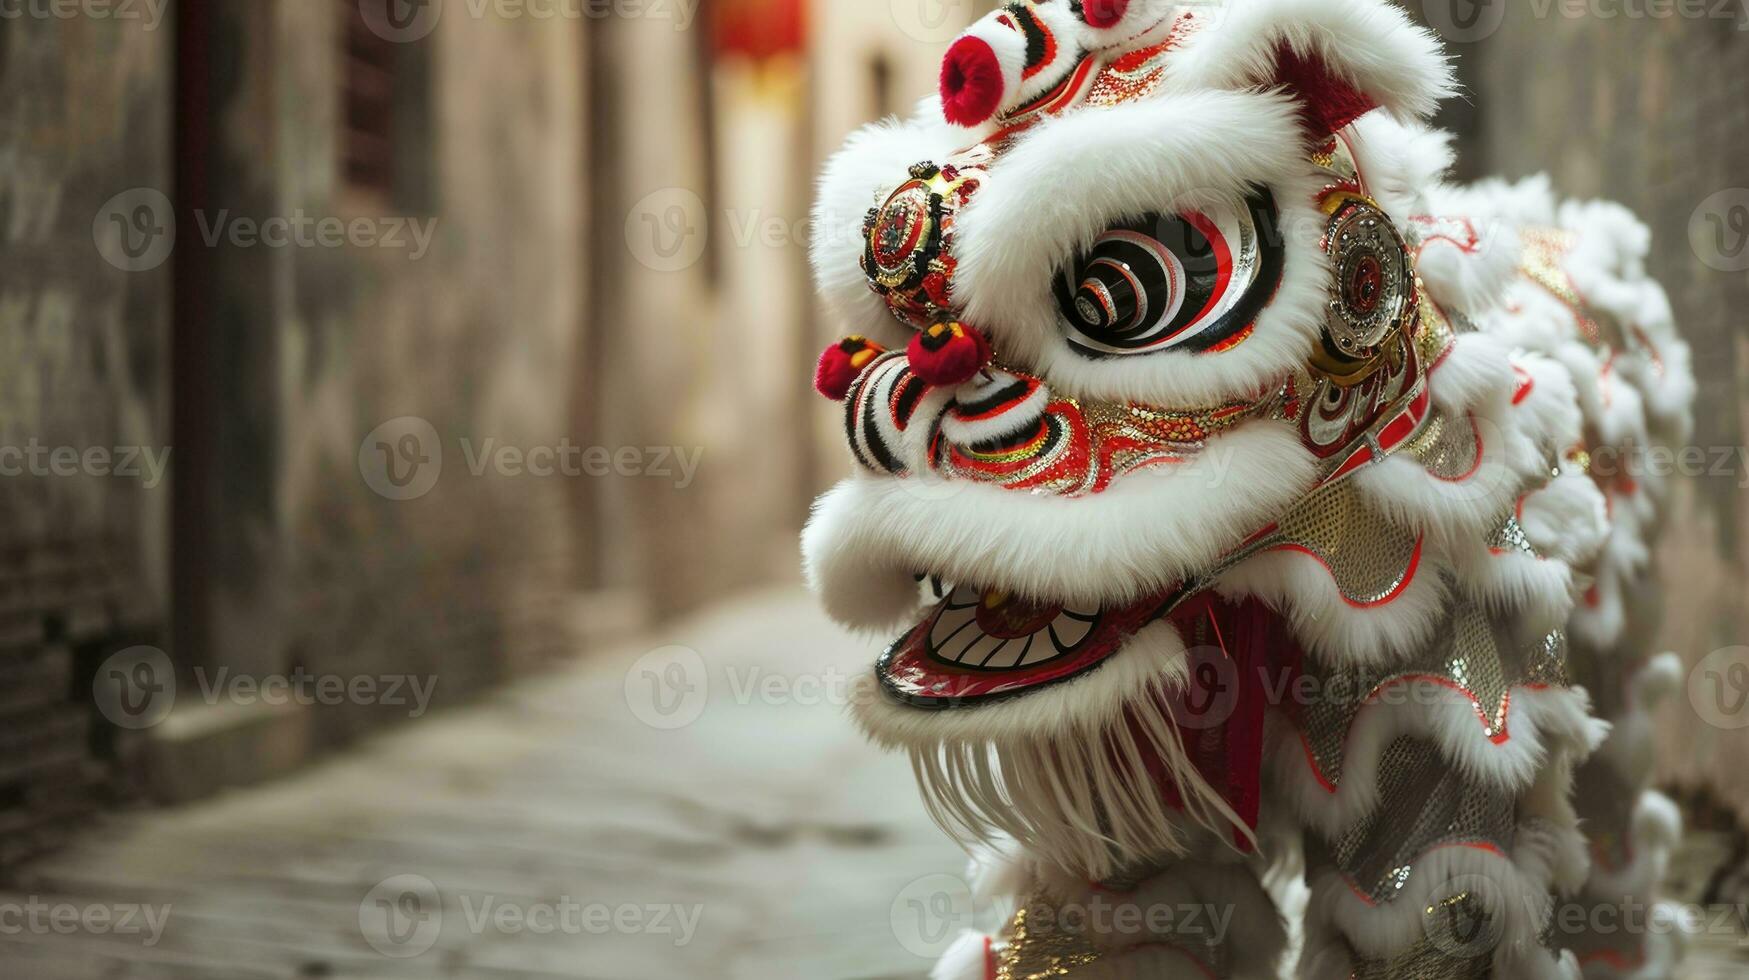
968, 651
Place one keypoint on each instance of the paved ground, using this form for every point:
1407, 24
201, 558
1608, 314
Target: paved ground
699, 811
766, 818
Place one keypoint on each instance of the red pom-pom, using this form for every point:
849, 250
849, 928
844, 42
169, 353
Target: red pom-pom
842, 363
1104, 13
971, 82
948, 354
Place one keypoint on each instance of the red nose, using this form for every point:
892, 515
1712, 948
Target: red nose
971, 82
1104, 13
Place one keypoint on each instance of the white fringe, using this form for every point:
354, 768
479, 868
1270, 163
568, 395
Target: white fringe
1084, 803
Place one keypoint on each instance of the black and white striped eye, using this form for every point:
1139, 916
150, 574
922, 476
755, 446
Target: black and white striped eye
1188, 282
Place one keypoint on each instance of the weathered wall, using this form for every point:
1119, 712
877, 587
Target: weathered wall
1650, 112
313, 562
651, 315
83, 377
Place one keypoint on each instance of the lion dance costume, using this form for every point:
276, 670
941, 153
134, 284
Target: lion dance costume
1232, 484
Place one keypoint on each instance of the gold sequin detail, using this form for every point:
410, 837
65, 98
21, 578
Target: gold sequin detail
1509, 536
1449, 449
1164, 437
1054, 954
1474, 652
1139, 73
1461, 952
1368, 559
1436, 333
1043, 953
1423, 804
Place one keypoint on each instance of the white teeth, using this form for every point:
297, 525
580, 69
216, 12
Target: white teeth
981, 648
1040, 651
1010, 655
951, 625
1090, 612
955, 636
1069, 631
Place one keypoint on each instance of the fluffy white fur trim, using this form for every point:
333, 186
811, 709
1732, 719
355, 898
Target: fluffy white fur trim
1476, 372
966, 959
1521, 203
1601, 620
1447, 511
1333, 630
1063, 771
1514, 890
1550, 411
1399, 161
1010, 48
1631, 749
1042, 206
1153, 657
869, 538
1368, 43
1663, 952
1469, 255
1472, 386
1656, 830
1540, 722
1566, 519
1538, 593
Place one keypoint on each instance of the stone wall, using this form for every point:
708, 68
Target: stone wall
353, 512
83, 397
432, 429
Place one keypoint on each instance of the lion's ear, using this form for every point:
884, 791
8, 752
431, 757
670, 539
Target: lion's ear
1338, 58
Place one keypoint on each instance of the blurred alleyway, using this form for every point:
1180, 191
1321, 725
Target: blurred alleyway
767, 819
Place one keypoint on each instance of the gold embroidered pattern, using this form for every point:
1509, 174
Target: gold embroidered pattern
1476, 655
1081, 448
1459, 923
1054, 954
1449, 449
1423, 804
1369, 560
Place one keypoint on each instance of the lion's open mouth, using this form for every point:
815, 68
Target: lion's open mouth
978, 645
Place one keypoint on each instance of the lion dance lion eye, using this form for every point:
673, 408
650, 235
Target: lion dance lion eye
1189, 282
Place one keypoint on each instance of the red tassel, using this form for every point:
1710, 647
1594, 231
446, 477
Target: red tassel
842, 364
948, 354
